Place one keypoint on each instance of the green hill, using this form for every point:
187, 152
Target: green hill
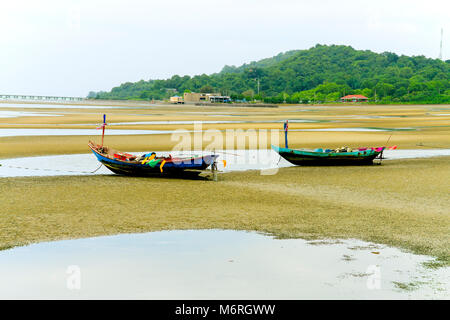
267, 62
322, 73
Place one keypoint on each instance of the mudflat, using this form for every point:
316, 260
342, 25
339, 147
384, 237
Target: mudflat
403, 203
410, 126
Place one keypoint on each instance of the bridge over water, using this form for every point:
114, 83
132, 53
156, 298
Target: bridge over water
21, 97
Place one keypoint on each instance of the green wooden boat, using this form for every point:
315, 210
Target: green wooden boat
360, 156
328, 157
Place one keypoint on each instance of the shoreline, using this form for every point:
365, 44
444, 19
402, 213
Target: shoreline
131, 102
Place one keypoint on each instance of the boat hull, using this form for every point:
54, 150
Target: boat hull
311, 158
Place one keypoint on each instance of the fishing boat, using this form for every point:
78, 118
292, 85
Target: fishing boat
343, 156
149, 163
320, 156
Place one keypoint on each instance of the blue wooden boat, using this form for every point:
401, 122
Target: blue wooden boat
360, 156
149, 164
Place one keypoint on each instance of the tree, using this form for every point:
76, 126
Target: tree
248, 94
331, 97
384, 89
91, 95
206, 89
406, 72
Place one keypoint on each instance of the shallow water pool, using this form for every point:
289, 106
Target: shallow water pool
16, 114
265, 160
74, 132
216, 264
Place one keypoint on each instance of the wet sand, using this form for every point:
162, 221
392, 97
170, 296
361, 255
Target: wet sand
428, 126
403, 203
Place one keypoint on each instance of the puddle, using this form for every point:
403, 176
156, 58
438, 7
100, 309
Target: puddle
396, 129
212, 122
55, 106
62, 165
214, 264
357, 129
370, 117
16, 114
236, 160
225, 115
74, 132
13, 132
414, 153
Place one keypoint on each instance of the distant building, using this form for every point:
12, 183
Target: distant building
194, 97
176, 100
354, 98
220, 99
205, 97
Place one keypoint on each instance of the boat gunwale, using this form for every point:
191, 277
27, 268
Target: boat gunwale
354, 154
168, 160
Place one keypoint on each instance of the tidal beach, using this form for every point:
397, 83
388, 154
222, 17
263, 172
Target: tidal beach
402, 203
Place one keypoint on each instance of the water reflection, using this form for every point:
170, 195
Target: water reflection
214, 264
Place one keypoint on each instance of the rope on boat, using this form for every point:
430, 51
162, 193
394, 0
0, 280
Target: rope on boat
97, 168
279, 159
233, 154
57, 170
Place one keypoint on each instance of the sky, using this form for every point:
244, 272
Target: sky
68, 48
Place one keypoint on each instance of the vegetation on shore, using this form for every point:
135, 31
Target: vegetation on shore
319, 74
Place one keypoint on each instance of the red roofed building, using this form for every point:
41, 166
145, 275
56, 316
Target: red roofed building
354, 98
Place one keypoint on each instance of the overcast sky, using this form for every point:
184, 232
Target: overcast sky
72, 47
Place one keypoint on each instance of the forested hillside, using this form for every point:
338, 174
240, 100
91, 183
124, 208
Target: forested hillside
320, 74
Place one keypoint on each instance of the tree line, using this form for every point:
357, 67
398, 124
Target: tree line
320, 74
